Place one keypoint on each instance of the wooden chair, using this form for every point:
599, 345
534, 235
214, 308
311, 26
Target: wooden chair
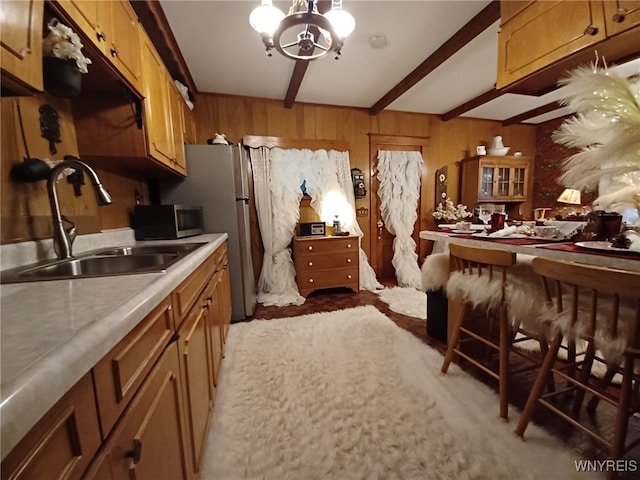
482, 279
601, 306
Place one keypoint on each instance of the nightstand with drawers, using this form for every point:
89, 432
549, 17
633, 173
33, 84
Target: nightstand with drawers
326, 262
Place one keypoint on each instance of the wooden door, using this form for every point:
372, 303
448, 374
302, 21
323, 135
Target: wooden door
381, 238
621, 15
124, 49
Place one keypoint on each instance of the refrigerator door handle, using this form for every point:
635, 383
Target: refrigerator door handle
243, 199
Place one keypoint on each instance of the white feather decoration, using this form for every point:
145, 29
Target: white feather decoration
606, 129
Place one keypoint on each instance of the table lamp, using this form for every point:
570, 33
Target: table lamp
569, 196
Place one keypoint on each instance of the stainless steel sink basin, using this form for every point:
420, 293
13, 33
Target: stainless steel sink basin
104, 262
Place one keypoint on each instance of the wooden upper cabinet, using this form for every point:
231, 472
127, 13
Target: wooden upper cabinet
124, 44
91, 17
544, 32
621, 15
157, 109
113, 27
21, 40
177, 124
188, 124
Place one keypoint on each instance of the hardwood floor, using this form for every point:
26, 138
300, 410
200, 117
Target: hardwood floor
337, 299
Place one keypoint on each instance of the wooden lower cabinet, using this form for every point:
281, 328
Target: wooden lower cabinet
149, 442
194, 346
143, 411
62, 444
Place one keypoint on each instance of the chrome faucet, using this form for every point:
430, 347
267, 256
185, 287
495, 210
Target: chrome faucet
63, 237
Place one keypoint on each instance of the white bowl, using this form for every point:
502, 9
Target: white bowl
498, 151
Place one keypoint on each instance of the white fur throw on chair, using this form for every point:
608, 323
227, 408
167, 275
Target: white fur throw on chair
435, 272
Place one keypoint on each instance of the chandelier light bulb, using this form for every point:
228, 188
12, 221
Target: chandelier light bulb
265, 18
342, 21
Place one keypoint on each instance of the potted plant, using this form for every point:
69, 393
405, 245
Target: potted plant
63, 62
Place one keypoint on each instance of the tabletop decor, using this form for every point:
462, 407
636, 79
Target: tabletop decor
63, 61
605, 128
448, 212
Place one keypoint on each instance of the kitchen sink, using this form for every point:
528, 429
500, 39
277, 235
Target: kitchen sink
104, 262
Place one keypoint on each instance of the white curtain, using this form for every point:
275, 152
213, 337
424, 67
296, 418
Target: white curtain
399, 174
278, 178
368, 280
276, 285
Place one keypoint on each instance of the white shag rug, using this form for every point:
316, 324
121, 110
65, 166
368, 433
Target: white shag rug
405, 300
350, 395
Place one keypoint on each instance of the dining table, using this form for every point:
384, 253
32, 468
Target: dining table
590, 253
586, 252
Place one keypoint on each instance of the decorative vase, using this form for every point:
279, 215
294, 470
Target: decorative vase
61, 77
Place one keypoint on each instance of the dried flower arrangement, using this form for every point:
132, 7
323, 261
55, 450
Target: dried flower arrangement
449, 212
62, 42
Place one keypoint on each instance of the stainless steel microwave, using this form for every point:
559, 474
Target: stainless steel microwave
167, 222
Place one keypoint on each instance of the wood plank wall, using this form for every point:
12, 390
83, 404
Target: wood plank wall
25, 213
448, 142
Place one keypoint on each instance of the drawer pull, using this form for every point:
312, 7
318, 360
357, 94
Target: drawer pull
591, 30
349, 276
310, 247
311, 280
619, 16
348, 245
136, 452
310, 264
348, 260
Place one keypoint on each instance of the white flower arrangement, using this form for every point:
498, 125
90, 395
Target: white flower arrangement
448, 211
62, 42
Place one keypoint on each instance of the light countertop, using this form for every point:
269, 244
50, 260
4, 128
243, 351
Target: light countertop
54, 332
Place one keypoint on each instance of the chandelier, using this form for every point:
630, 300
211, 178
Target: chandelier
304, 33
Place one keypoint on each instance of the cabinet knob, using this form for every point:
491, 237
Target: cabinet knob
348, 245
311, 280
114, 52
591, 30
349, 276
135, 453
309, 247
310, 264
619, 16
101, 36
348, 260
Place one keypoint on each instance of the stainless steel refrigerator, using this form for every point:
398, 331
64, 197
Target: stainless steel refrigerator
218, 180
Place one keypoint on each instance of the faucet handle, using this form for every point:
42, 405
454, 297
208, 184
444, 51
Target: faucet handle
71, 231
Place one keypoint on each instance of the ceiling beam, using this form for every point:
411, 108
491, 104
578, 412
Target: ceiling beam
483, 20
549, 107
300, 68
471, 104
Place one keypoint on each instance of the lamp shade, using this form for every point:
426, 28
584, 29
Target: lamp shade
570, 196
265, 18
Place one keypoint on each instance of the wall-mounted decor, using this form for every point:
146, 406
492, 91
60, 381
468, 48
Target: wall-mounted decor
441, 186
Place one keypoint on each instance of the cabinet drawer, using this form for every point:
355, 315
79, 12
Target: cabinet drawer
186, 294
327, 278
327, 245
312, 263
62, 443
119, 374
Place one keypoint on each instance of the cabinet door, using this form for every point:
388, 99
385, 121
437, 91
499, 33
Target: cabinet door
621, 15
195, 363
519, 183
119, 374
156, 105
149, 442
21, 40
92, 18
545, 32
62, 443
487, 174
124, 49
188, 124
175, 101
225, 300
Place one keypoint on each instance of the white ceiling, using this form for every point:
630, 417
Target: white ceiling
225, 55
